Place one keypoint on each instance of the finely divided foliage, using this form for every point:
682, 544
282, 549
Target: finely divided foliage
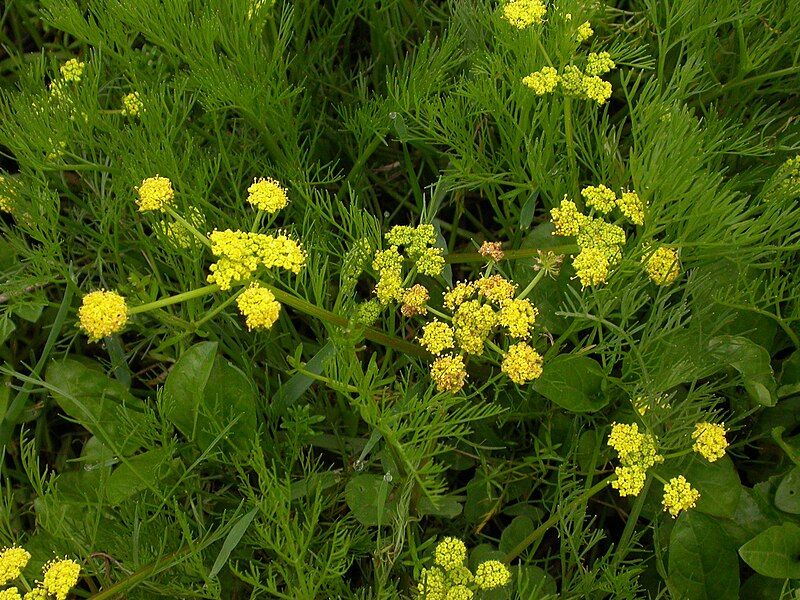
469, 299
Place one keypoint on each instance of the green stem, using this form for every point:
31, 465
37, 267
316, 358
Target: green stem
531, 285
201, 238
573, 164
469, 257
191, 294
630, 525
542, 529
438, 313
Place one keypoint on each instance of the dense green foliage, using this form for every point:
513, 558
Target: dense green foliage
186, 456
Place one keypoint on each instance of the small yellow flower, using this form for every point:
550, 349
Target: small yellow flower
456, 296
132, 105
600, 198
414, 299
473, 322
632, 207
72, 70
663, 265
585, 31
492, 574
634, 448
597, 89
460, 576
679, 495
155, 193
267, 195
459, 592
259, 307
630, 480
389, 287
591, 266
522, 363
12, 561
495, 288
710, 441
430, 262
599, 63
572, 81
366, 313
60, 576
37, 593
518, 316
10, 594
432, 584
102, 313
492, 250
450, 553
522, 13
436, 337
400, 235
542, 81
448, 373
567, 219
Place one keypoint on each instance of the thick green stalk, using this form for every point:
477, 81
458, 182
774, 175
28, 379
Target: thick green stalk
190, 295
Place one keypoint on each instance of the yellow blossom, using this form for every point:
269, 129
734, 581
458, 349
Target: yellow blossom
710, 441
430, 262
102, 313
492, 574
472, 322
389, 259
634, 448
630, 480
389, 287
60, 577
567, 219
597, 89
400, 235
492, 250
10, 594
600, 198
436, 337
542, 81
518, 316
522, 363
459, 592
432, 584
155, 193
663, 265
459, 576
259, 307
632, 207
572, 81
456, 296
37, 593
366, 313
679, 495
132, 105
522, 13
72, 70
448, 373
12, 561
450, 553
267, 195
599, 63
599, 234
591, 266
585, 31
414, 299
495, 288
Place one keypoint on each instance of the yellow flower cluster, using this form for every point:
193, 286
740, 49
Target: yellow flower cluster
449, 373
414, 299
710, 441
102, 313
267, 195
12, 561
155, 193
599, 63
417, 244
637, 452
132, 105
517, 316
437, 337
523, 13
585, 31
473, 322
241, 253
522, 363
789, 174
679, 495
259, 307
495, 288
662, 265
600, 242
542, 81
493, 250
72, 70
60, 576
450, 579
574, 82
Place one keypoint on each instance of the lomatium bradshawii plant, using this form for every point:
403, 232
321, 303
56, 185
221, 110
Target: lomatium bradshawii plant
481, 300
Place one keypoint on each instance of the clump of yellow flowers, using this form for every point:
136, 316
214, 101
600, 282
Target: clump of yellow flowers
102, 313
662, 265
60, 576
451, 579
155, 193
638, 452
600, 242
524, 13
267, 195
572, 81
132, 105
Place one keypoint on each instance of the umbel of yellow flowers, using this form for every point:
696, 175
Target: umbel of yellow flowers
450, 579
102, 314
60, 576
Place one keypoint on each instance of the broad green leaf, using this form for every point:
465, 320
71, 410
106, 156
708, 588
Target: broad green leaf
752, 361
515, 532
573, 383
758, 587
231, 541
292, 390
137, 474
369, 498
787, 496
775, 552
183, 389
446, 507
702, 561
97, 402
